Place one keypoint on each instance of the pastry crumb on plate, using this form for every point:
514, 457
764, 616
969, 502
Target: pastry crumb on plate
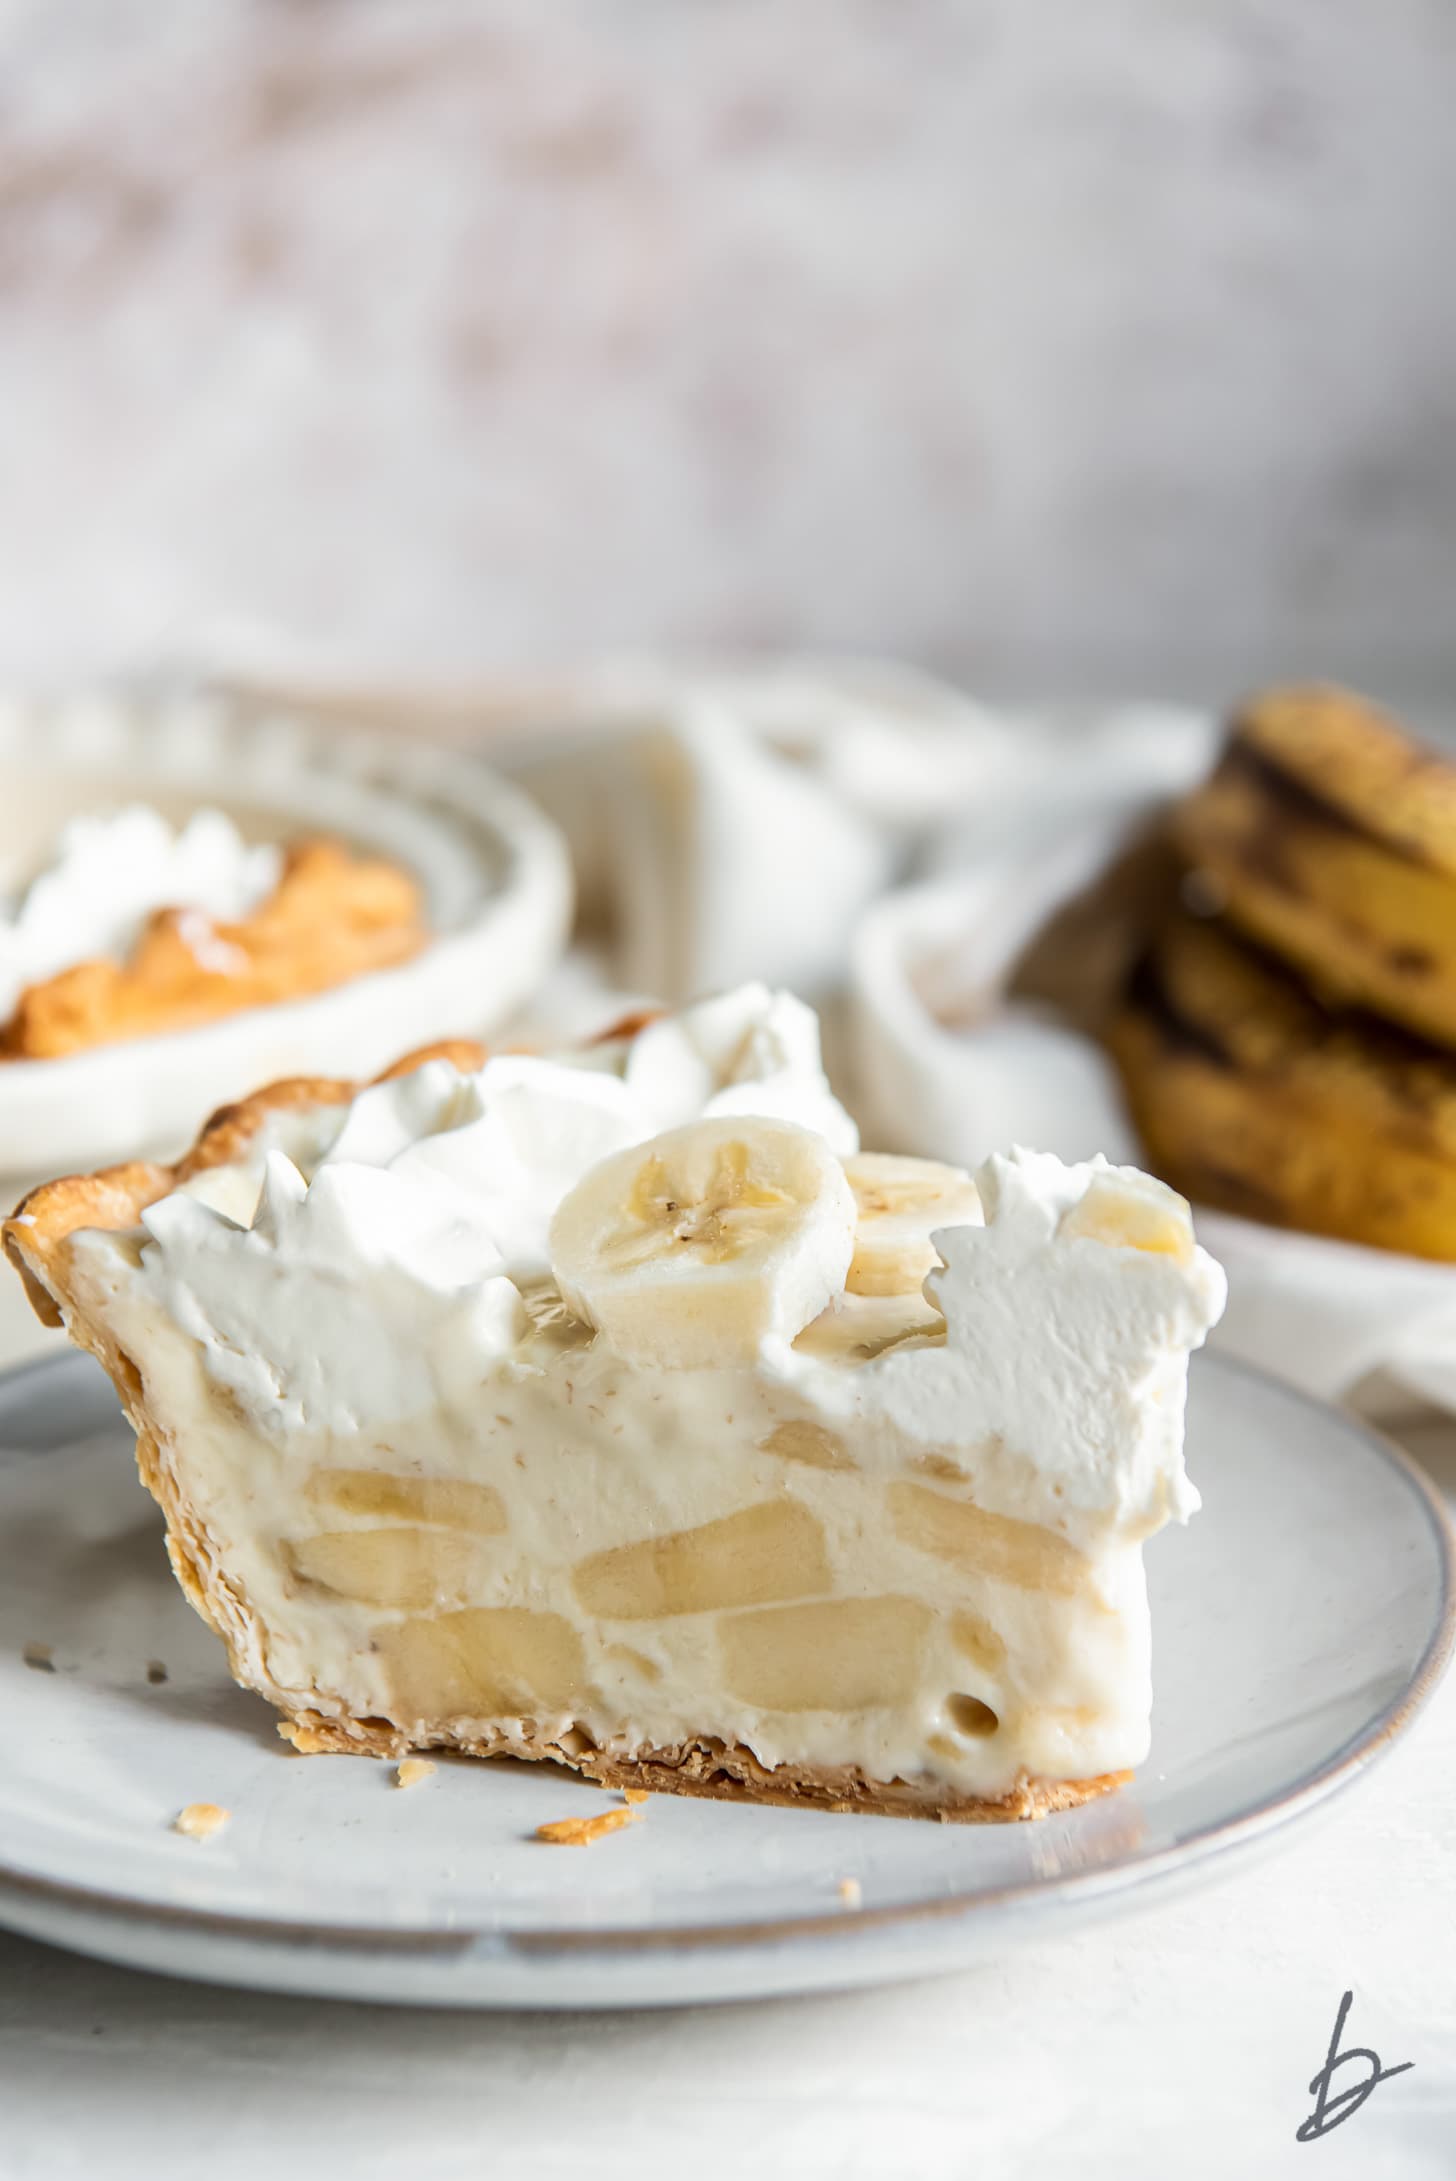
581, 1832
200, 1820
414, 1772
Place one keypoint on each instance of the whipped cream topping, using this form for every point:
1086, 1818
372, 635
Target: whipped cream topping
387, 1256
1057, 1347
748, 1051
110, 873
308, 1322
421, 1171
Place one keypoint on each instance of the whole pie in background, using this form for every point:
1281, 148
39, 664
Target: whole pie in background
136, 928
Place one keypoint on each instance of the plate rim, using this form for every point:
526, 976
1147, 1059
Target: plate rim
605, 1945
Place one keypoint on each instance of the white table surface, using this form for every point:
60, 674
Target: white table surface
1179, 2042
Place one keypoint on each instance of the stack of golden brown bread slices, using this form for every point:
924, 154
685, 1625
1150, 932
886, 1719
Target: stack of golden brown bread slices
1291, 1053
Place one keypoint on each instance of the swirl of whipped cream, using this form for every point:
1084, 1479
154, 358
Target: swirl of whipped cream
747, 1051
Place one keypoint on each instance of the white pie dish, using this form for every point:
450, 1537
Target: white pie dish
1301, 1621
495, 873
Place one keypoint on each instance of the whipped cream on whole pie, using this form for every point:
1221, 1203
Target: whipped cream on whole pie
136, 926
110, 872
614, 1408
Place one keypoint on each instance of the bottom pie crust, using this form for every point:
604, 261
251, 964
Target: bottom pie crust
724, 1771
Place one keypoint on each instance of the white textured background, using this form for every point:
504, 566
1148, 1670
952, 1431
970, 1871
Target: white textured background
1066, 345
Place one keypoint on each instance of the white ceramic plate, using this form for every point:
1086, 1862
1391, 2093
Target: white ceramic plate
1300, 1622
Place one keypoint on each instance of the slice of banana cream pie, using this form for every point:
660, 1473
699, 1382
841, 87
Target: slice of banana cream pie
615, 1409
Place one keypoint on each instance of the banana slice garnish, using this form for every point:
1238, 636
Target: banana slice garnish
900, 1203
693, 1249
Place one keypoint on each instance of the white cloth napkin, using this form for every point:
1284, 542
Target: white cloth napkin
733, 823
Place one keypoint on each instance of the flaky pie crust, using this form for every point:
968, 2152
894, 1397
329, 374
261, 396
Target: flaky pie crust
37, 1240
